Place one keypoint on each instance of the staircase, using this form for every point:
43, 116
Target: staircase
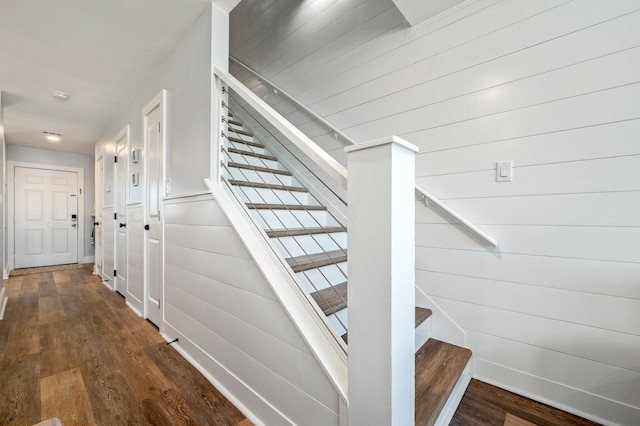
313, 242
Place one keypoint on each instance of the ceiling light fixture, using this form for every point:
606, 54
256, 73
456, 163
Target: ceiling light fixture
52, 137
61, 96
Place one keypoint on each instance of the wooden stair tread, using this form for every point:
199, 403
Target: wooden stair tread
331, 299
268, 185
310, 261
241, 132
252, 154
283, 206
250, 143
439, 365
304, 231
421, 314
259, 168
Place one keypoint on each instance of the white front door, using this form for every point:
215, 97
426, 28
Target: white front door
120, 282
154, 191
46, 217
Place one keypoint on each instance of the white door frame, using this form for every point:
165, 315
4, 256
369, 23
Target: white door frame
159, 101
11, 165
125, 136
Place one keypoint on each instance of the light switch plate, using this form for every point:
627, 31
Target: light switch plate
504, 171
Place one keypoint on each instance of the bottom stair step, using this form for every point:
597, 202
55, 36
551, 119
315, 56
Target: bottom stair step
439, 365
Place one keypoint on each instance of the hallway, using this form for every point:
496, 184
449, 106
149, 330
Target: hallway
72, 349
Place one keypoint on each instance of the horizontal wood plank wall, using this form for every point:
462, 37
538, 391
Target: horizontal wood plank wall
554, 313
229, 321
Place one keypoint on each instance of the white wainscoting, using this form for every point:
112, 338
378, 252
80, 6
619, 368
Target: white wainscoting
552, 85
231, 324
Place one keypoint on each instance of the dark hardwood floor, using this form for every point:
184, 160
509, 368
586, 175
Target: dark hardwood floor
486, 405
70, 348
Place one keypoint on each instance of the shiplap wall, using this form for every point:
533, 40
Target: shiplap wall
230, 322
553, 85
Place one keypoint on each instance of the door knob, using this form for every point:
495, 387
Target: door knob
73, 225
146, 227
96, 223
123, 225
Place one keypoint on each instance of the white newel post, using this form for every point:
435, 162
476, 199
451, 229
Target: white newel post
381, 293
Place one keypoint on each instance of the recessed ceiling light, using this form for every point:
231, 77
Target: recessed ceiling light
52, 137
61, 96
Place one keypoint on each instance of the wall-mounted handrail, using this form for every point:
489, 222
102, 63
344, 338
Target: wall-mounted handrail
430, 198
427, 196
296, 102
329, 164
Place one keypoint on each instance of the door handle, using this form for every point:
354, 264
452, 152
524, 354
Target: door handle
73, 225
123, 225
146, 227
96, 223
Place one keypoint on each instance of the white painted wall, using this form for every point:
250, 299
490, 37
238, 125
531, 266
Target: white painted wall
3, 190
554, 313
56, 158
229, 321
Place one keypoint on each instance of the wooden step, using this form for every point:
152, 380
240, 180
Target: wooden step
439, 365
421, 315
267, 185
310, 261
331, 299
252, 154
259, 169
304, 231
260, 206
241, 132
250, 143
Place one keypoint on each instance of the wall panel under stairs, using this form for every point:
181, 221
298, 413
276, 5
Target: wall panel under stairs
230, 323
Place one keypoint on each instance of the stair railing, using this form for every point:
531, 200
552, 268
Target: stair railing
427, 197
274, 225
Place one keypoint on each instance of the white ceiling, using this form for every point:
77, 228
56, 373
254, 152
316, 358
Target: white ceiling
97, 51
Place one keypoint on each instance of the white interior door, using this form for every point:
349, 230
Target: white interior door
120, 282
46, 217
98, 216
154, 191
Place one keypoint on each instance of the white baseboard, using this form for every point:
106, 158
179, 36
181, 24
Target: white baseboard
133, 308
566, 398
5, 274
3, 301
234, 389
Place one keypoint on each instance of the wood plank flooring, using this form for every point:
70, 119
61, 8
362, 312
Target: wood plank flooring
70, 348
487, 405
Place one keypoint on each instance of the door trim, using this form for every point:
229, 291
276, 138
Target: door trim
158, 101
122, 134
11, 166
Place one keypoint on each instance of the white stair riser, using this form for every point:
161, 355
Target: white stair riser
339, 321
247, 175
245, 147
423, 333
272, 196
234, 134
287, 219
320, 278
253, 161
310, 244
